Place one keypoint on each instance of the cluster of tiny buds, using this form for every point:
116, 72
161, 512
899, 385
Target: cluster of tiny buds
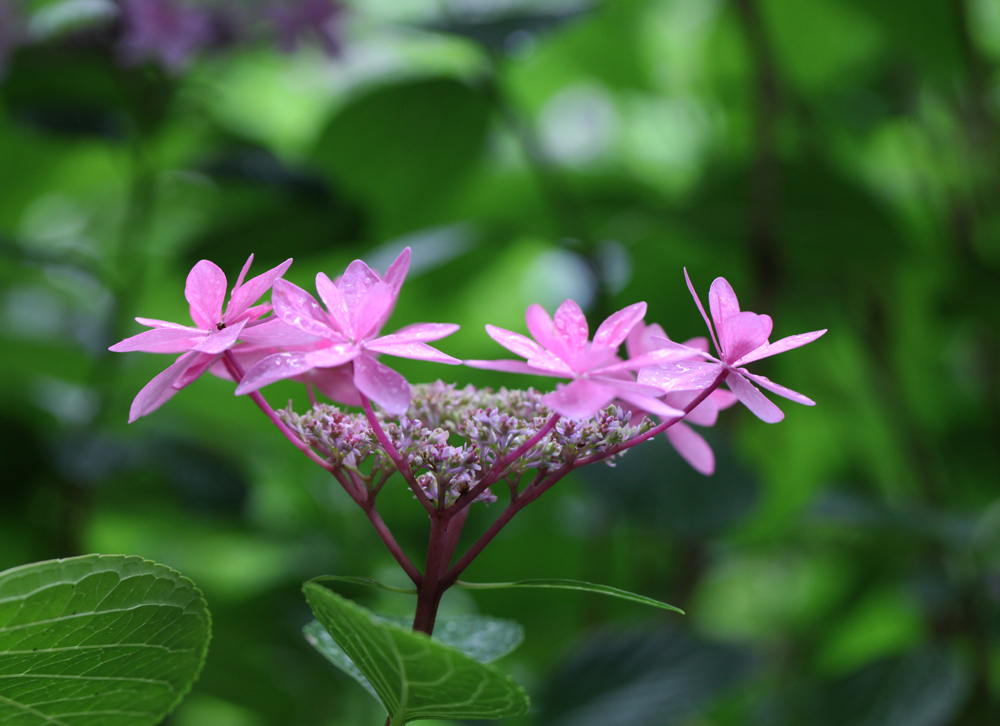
451, 437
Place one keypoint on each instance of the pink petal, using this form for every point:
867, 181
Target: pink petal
337, 384
153, 323
705, 413
723, 399
334, 301
742, 333
789, 343
372, 311
515, 342
298, 308
275, 332
355, 283
693, 353
195, 370
700, 344
682, 376
419, 333
334, 355
246, 356
242, 275
649, 404
514, 366
701, 309
543, 330
753, 399
653, 357
640, 339
613, 331
161, 340
220, 340
393, 280
271, 369
246, 295
722, 302
382, 385
396, 273
780, 390
571, 325
416, 351
627, 385
205, 292
692, 448
159, 390
580, 399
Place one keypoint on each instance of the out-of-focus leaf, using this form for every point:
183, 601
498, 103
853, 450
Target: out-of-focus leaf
504, 31
67, 16
653, 484
271, 208
843, 508
83, 93
922, 689
400, 147
414, 676
98, 639
571, 585
639, 679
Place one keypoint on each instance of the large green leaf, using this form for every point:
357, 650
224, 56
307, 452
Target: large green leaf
98, 641
572, 585
482, 639
414, 676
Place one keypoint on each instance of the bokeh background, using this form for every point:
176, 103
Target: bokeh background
836, 160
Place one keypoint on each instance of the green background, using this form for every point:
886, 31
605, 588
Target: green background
835, 160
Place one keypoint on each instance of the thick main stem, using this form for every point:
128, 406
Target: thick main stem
429, 591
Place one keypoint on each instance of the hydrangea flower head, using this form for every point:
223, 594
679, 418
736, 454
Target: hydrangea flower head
561, 348
740, 338
216, 330
347, 331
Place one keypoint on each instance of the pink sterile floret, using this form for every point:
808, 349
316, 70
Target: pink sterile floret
688, 443
563, 350
740, 338
216, 331
347, 331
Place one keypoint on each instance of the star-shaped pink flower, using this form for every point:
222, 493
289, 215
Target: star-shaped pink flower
563, 350
685, 440
357, 306
740, 338
216, 331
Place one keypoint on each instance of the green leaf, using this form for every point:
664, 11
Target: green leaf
322, 641
482, 639
571, 585
414, 676
98, 641
364, 581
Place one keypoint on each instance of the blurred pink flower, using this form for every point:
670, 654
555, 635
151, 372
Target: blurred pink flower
740, 338
688, 443
168, 32
563, 350
317, 20
216, 331
357, 306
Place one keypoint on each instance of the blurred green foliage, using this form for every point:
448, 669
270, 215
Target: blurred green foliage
836, 160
